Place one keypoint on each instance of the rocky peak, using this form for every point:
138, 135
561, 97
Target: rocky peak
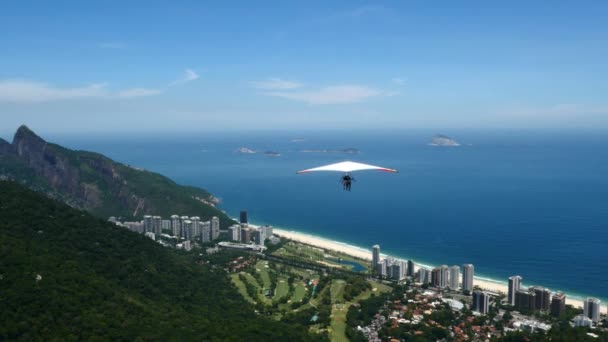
5, 147
26, 142
26, 134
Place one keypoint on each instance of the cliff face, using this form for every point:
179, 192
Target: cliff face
47, 163
93, 182
5, 147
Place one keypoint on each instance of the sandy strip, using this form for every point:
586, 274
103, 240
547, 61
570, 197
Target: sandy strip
365, 254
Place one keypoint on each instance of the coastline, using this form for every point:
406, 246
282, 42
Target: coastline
365, 254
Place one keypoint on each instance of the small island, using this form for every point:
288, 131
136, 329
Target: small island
272, 154
245, 150
344, 150
443, 141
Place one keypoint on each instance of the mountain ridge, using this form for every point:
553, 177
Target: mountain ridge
93, 182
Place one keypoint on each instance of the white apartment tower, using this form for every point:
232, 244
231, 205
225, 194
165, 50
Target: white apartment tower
454, 277
514, 286
468, 273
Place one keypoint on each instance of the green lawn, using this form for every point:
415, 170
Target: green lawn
337, 291
338, 322
241, 287
263, 270
281, 290
299, 292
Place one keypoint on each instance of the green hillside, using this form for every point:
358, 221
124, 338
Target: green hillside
66, 275
93, 182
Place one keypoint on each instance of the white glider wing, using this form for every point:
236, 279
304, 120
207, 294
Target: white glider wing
347, 166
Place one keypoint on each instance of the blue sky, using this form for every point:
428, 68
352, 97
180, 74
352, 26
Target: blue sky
87, 66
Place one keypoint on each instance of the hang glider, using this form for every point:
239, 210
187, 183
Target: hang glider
346, 167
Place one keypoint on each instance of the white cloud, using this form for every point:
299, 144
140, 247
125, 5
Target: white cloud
330, 95
274, 83
137, 92
398, 81
188, 76
25, 91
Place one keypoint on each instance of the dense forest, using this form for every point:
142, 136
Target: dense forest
66, 275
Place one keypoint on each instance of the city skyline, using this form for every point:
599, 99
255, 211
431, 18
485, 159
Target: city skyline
82, 67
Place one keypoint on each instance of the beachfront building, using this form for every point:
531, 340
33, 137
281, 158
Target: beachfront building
410, 268
259, 237
558, 304
543, 298
424, 275
440, 276
375, 255
245, 235
525, 300
395, 269
514, 286
234, 232
175, 225
380, 269
454, 277
215, 227
468, 272
591, 309
243, 217
481, 302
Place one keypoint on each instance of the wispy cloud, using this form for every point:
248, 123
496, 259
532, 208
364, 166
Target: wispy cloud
137, 92
398, 81
329, 95
189, 75
274, 83
26, 91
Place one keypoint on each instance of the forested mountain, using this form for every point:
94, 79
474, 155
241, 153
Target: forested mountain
95, 183
67, 275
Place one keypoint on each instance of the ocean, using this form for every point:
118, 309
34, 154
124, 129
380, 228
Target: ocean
510, 202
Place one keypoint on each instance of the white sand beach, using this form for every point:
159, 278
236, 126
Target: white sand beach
366, 254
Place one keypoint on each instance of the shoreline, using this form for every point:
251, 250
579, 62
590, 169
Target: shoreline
365, 254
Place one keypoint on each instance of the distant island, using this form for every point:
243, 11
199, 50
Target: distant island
442, 140
297, 140
245, 150
272, 154
344, 150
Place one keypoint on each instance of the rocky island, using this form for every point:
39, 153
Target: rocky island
245, 150
344, 150
272, 154
442, 140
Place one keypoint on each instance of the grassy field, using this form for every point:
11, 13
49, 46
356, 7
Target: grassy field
337, 291
241, 287
263, 270
300, 286
281, 290
340, 308
299, 291
314, 254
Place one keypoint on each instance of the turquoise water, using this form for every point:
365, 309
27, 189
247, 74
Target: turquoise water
527, 203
